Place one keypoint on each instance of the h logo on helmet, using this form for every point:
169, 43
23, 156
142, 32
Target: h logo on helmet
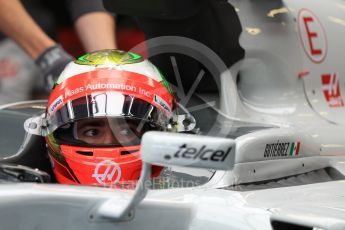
105, 172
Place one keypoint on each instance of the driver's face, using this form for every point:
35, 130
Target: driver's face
104, 131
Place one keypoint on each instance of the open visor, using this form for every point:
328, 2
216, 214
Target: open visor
110, 131
99, 105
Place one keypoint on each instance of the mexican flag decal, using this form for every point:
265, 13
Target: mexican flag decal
294, 149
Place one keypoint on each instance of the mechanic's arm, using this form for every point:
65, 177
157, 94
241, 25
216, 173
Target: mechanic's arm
95, 26
96, 31
18, 25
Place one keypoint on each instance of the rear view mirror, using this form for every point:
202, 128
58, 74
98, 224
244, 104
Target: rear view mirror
158, 9
163, 148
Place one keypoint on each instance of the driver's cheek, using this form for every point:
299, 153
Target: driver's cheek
107, 136
93, 140
100, 138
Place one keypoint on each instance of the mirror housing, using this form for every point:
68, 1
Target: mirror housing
163, 148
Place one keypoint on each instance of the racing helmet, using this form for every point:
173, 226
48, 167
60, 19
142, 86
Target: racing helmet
100, 106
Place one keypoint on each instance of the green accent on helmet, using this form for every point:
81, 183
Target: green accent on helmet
165, 83
55, 149
55, 84
113, 56
81, 58
134, 57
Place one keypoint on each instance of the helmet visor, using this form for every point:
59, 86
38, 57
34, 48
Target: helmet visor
106, 105
96, 132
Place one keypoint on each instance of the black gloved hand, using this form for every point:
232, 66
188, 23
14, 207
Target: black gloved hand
52, 62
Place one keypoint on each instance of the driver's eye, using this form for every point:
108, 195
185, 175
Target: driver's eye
91, 133
125, 132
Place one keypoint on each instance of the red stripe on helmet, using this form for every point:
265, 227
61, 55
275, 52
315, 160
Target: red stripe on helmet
105, 80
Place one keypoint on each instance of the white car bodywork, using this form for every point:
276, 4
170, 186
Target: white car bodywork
291, 84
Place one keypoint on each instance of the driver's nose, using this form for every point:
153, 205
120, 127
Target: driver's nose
109, 137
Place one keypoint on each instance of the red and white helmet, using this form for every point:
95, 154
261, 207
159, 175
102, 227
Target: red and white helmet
100, 107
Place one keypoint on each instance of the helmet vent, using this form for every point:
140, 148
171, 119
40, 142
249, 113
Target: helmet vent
128, 152
85, 153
